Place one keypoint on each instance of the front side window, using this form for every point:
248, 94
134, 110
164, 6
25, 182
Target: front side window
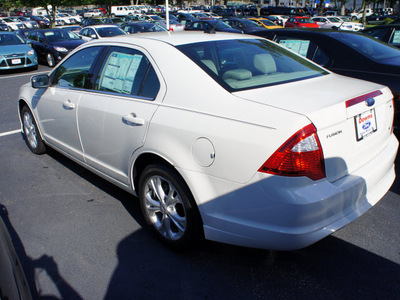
244, 64
75, 71
128, 71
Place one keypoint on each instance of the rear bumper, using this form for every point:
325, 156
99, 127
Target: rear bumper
280, 213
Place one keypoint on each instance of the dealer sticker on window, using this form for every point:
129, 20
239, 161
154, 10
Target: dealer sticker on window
365, 124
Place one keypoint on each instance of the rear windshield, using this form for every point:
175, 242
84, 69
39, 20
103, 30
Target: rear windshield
251, 63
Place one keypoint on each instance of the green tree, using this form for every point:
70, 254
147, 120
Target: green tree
9, 4
51, 6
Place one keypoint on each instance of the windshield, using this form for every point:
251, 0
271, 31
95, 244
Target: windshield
370, 47
268, 23
220, 25
10, 39
250, 23
8, 20
110, 31
60, 35
149, 27
251, 63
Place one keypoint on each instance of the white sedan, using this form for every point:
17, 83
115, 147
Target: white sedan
100, 31
333, 23
248, 144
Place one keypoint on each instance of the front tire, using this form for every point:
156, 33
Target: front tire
31, 132
169, 208
51, 62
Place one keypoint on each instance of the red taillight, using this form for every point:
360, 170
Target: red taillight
300, 155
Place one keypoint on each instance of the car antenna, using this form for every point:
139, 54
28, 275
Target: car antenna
212, 30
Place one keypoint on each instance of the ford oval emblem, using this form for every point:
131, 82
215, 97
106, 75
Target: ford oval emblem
370, 101
366, 125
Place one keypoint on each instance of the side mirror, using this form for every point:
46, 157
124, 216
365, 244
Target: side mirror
93, 36
40, 81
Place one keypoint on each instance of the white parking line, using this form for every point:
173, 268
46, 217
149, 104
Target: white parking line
10, 132
26, 74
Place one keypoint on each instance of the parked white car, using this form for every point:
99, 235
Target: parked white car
248, 144
359, 14
356, 25
333, 23
12, 23
91, 13
100, 31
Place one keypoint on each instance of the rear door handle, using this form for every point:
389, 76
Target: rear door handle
68, 104
131, 119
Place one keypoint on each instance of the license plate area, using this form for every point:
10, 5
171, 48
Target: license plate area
16, 61
365, 124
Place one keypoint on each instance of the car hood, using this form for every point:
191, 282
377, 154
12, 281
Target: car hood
72, 44
13, 49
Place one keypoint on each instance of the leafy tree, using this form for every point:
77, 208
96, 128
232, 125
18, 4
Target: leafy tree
8, 4
51, 6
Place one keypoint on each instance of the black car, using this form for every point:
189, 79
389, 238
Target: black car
92, 21
347, 53
386, 33
185, 18
210, 26
377, 18
141, 26
51, 45
244, 25
114, 21
170, 16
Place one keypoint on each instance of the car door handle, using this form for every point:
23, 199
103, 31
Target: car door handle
68, 104
131, 119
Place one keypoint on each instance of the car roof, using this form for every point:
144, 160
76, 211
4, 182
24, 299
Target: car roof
179, 38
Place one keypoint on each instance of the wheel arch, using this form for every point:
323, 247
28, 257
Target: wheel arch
150, 158
21, 104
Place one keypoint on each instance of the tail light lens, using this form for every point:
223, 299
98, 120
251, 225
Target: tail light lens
300, 155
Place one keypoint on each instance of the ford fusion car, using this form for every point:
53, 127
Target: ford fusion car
15, 53
268, 153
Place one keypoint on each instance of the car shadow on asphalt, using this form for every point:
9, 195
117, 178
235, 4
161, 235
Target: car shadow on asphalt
29, 266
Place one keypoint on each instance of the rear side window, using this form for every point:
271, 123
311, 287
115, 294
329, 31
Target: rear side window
128, 71
304, 47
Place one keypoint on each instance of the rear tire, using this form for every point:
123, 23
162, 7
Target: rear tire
169, 208
31, 132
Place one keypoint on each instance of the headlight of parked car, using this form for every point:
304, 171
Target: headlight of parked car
60, 49
31, 52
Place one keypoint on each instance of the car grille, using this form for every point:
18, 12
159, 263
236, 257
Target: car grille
17, 55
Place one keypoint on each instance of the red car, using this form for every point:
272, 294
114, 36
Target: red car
301, 22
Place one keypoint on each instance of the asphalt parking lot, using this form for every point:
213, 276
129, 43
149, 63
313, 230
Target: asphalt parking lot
80, 237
